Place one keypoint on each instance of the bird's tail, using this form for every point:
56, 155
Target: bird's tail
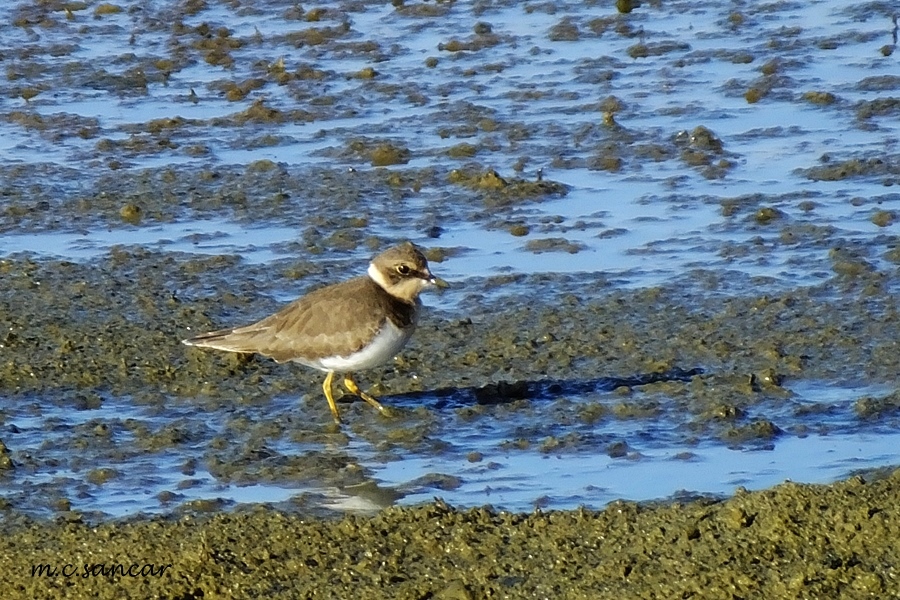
230, 340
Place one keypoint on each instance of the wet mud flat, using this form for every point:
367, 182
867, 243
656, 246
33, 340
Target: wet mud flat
731, 114
102, 399
517, 363
78, 336
793, 541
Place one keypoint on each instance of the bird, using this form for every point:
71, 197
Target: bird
342, 328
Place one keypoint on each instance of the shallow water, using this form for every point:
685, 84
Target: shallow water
638, 212
513, 461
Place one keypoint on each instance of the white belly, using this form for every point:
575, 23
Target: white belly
389, 341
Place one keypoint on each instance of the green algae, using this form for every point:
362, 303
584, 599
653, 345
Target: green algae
645, 50
564, 31
539, 246
499, 191
838, 170
385, 154
884, 218
107, 9
822, 98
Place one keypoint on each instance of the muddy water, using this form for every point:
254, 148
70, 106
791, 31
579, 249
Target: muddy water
671, 234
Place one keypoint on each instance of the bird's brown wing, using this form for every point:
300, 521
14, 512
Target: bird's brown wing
342, 316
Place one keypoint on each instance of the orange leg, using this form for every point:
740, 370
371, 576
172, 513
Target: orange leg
326, 386
354, 389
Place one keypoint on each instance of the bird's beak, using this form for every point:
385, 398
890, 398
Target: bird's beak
436, 281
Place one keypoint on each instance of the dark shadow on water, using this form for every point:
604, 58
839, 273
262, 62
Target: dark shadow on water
504, 392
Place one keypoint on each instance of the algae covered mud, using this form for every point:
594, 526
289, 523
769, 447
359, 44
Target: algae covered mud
794, 541
671, 231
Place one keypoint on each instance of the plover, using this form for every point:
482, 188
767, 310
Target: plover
342, 328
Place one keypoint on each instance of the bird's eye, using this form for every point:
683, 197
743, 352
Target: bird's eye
403, 269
